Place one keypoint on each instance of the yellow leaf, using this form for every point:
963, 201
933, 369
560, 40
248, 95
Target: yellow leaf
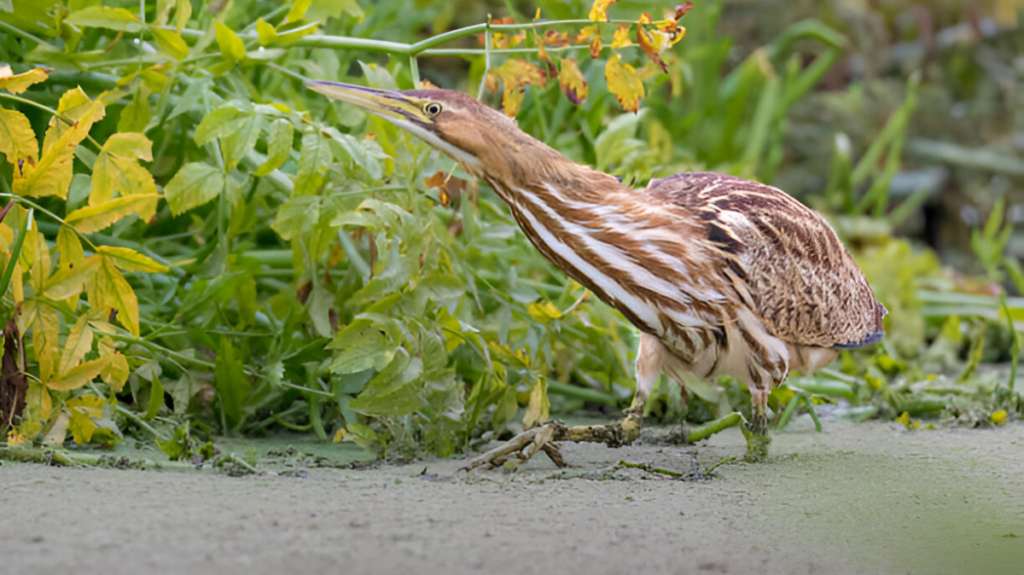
17, 84
182, 13
130, 260
621, 38
17, 140
998, 417
265, 33
71, 253
70, 281
15, 439
38, 402
599, 10
43, 320
653, 43
515, 74
170, 42
77, 344
91, 405
571, 80
81, 427
76, 106
51, 174
95, 218
297, 11
539, 408
40, 269
117, 371
117, 169
110, 291
231, 46
544, 312
622, 82
79, 375
70, 248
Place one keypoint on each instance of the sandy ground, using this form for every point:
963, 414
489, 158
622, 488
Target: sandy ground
866, 498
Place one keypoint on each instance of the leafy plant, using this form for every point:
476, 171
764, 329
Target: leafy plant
199, 246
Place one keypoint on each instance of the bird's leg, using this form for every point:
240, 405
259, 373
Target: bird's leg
623, 432
757, 439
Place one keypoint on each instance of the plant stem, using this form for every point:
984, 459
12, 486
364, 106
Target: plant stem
649, 469
19, 242
708, 429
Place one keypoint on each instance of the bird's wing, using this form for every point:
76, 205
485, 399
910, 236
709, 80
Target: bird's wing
784, 260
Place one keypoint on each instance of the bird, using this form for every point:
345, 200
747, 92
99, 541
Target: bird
720, 275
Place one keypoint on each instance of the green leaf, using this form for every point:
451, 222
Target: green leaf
231, 383
361, 346
219, 123
95, 218
135, 116
297, 216
194, 185
79, 375
313, 164
156, 399
105, 17
279, 146
231, 46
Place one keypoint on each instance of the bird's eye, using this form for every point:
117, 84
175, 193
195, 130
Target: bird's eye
432, 109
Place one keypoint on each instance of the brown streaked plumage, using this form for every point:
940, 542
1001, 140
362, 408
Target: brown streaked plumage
722, 276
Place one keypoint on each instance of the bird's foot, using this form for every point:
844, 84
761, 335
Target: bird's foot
758, 441
525, 445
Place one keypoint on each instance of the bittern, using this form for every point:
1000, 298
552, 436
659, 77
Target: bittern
722, 276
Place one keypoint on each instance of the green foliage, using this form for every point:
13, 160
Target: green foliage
200, 242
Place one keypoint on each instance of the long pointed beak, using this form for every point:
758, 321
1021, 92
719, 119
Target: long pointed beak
387, 104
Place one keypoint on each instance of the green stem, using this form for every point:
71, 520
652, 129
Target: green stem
649, 469
61, 458
708, 429
709, 470
26, 35
19, 242
577, 392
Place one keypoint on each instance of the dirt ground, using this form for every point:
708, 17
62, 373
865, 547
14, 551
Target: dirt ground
867, 498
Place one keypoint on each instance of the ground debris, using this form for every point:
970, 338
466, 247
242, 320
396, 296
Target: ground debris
695, 474
435, 478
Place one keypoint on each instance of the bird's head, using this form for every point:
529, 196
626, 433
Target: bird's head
484, 141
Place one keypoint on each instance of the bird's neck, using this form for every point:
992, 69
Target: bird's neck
586, 223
